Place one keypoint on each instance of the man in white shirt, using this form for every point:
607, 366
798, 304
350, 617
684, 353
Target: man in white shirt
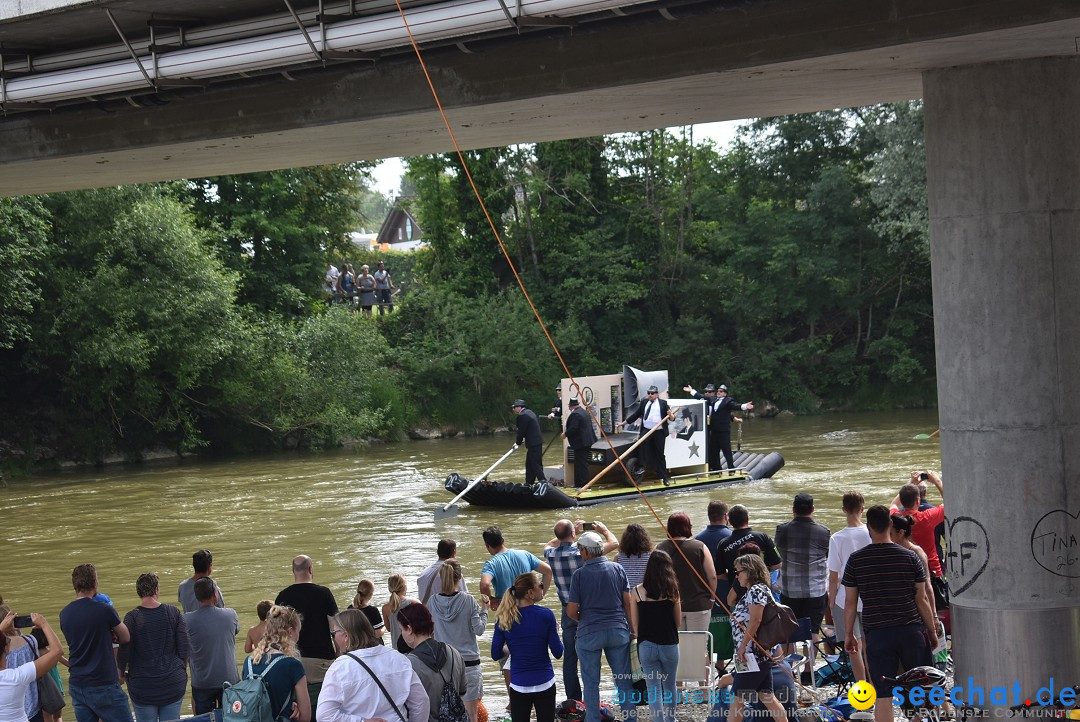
427, 584
842, 545
332, 274
653, 412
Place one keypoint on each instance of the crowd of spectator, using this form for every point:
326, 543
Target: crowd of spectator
877, 587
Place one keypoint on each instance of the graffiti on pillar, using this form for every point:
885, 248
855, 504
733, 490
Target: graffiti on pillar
1055, 543
969, 553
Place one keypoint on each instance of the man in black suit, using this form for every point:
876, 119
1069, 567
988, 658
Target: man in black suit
720, 425
556, 409
580, 435
528, 433
715, 433
652, 413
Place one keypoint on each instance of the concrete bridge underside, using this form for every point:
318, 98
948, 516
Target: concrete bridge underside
685, 64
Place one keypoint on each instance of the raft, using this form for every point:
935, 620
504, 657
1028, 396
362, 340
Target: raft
509, 495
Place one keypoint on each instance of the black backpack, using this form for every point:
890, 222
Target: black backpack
451, 708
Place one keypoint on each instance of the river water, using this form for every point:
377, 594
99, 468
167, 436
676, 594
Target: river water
369, 512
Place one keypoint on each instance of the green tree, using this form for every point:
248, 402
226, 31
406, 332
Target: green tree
143, 312
23, 235
278, 228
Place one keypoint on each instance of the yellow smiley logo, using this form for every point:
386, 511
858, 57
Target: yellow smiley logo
862, 695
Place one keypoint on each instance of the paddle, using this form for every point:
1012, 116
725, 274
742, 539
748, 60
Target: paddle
447, 511
558, 433
626, 453
921, 437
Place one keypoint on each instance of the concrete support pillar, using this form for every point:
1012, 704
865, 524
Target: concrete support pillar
1003, 161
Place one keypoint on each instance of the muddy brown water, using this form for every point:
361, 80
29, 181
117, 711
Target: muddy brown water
369, 512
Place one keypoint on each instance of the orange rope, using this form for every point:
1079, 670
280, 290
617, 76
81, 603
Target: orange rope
543, 326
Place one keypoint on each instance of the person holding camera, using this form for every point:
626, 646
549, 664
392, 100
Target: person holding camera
564, 558
16, 682
926, 519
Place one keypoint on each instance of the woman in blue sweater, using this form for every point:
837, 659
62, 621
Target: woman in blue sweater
529, 631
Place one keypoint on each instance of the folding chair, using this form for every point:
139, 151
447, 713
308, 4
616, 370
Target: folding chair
720, 629
803, 662
695, 657
836, 670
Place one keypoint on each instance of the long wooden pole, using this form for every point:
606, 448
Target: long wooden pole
445, 511
626, 453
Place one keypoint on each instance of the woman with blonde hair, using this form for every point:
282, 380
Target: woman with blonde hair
350, 691
459, 620
753, 576
276, 659
529, 631
398, 599
365, 590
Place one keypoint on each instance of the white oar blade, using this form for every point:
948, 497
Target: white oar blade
445, 513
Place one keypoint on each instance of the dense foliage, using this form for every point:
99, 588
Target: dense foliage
793, 266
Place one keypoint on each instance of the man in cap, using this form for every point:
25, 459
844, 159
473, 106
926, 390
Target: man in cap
720, 424
383, 287
599, 602
580, 435
528, 433
564, 558
653, 412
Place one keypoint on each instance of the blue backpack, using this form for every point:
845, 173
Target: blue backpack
248, 700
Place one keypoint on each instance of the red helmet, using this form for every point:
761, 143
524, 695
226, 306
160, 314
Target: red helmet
570, 710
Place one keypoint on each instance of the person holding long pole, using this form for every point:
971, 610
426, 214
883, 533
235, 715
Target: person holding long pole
652, 413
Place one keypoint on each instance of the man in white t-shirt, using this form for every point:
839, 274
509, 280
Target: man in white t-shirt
842, 545
332, 274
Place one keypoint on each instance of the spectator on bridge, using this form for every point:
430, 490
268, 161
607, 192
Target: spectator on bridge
365, 289
384, 288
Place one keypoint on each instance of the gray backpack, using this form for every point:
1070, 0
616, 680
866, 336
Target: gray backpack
248, 700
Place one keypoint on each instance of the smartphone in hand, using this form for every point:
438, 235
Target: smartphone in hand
24, 621
588, 526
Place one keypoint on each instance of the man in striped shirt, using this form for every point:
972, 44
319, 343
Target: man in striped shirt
564, 558
898, 626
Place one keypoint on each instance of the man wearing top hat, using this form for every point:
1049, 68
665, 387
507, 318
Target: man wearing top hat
528, 433
580, 436
653, 412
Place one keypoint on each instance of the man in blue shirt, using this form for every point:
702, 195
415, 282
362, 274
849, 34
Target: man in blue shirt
599, 600
90, 627
501, 570
505, 565
715, 533
563, 556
